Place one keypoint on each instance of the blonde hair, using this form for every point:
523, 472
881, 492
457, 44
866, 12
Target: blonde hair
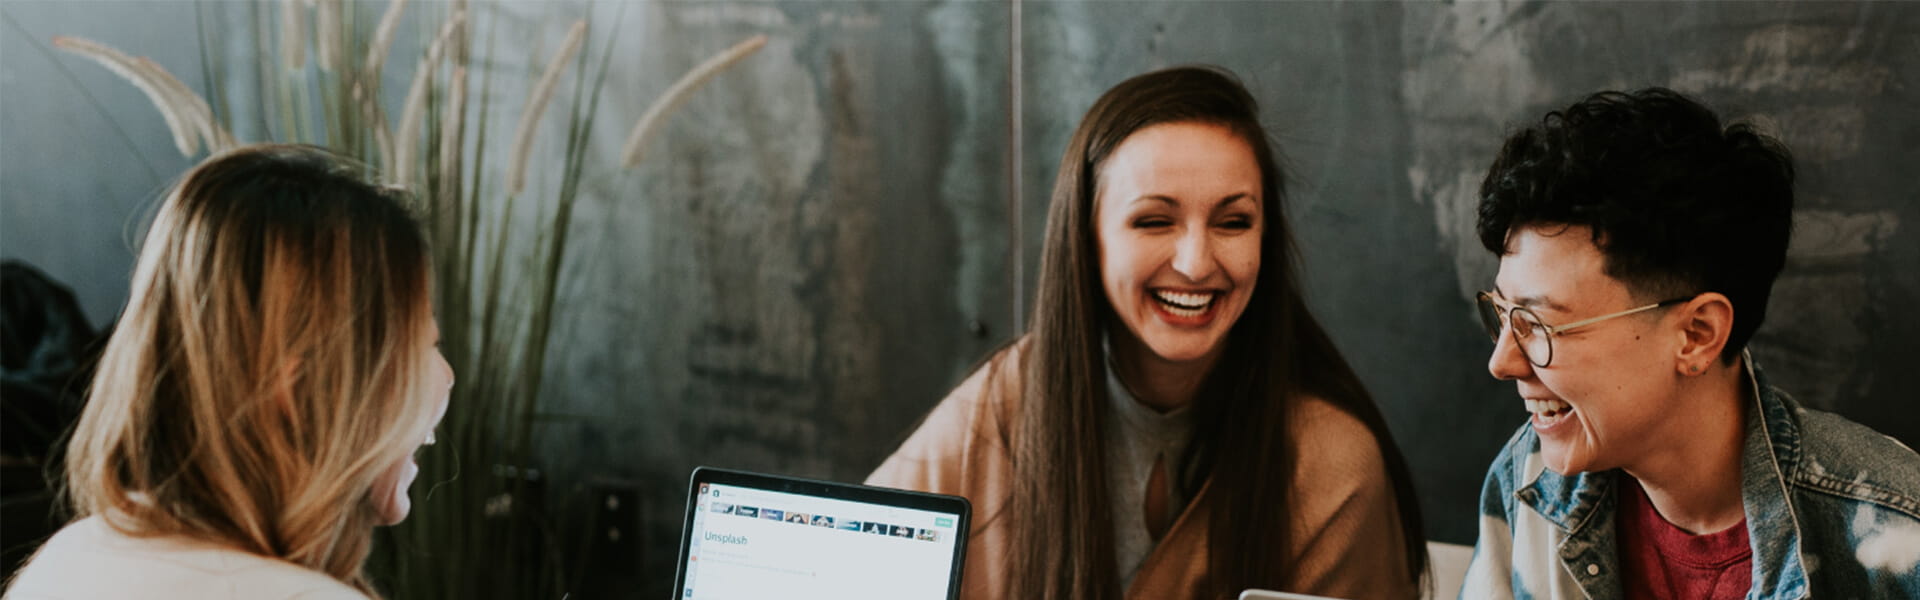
268, 366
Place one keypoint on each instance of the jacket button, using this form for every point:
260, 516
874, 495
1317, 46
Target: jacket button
1593, 569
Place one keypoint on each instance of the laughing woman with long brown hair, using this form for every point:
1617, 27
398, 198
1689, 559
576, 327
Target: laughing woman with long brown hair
257, 408
1175, 424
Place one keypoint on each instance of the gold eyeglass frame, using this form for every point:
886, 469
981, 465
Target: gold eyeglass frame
1503, 316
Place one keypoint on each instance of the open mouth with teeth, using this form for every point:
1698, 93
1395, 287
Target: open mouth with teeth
1548, 413
1185, 306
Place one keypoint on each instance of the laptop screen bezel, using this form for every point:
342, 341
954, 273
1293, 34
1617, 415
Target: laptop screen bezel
941, 503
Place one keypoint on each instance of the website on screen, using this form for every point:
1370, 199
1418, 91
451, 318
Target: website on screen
756, 544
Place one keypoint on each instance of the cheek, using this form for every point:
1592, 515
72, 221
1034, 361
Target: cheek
1601, 377
1120, 265
1608, 406
389, 494
1569, 387
1242, 260
390, 480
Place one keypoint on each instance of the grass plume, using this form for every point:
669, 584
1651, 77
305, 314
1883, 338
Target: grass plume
185, 133
656, 113
293, 34
407, 140
194, 109
536, 104
327, 33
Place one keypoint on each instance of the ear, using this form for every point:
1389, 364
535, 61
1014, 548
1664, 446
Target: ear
1705, 323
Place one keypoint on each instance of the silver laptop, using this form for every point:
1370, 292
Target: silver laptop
751, 535
1273, 595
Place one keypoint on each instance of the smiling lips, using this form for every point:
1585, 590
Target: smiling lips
1548, 413
1185, 307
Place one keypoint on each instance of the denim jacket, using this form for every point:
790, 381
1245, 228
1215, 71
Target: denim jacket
1833, 512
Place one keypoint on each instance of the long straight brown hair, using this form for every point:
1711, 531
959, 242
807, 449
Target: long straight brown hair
268, 366
1276, 354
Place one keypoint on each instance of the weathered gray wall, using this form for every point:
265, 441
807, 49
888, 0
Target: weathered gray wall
816, 252
826, 239
72, 180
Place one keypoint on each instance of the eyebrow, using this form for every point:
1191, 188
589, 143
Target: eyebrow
1216, 205
1531, 301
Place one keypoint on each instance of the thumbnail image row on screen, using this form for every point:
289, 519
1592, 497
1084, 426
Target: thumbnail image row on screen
876, 528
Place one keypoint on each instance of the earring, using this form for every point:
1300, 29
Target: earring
1696, 369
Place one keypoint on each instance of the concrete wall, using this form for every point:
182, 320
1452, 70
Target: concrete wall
817, 251
81, 152
829, 237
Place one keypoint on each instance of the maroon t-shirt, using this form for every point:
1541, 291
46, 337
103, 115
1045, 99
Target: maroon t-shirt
1659, 560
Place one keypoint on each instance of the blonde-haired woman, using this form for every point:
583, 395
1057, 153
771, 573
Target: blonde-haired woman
257, 408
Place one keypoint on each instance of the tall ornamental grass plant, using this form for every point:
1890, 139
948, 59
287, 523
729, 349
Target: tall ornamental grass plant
479, 528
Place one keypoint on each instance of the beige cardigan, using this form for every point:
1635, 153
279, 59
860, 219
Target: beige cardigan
90, 560
1346, 530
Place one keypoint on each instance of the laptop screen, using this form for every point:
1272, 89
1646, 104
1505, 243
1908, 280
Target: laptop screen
784, 538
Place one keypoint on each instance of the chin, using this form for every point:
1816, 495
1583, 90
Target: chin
1182, 352
1562, 461
1555, 462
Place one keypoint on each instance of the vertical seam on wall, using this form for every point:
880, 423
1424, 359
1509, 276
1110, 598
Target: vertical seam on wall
1016, 208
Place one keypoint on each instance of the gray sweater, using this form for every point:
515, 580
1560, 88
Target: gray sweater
1139, 438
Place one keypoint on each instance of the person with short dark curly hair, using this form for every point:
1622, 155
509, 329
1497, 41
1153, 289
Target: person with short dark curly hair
1638, 239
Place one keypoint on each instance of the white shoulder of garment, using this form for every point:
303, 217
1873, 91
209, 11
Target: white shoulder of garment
89, 560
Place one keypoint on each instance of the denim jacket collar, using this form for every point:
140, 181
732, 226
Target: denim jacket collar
1582, 504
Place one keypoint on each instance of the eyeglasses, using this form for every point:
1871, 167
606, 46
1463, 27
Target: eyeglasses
1534, 337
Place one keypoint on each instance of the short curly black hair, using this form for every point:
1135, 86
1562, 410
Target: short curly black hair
1677, 203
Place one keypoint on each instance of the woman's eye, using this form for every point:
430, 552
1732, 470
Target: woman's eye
1237, 223
1152, 222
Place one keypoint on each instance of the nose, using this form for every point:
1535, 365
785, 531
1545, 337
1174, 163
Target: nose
1193, 255
1508, 363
